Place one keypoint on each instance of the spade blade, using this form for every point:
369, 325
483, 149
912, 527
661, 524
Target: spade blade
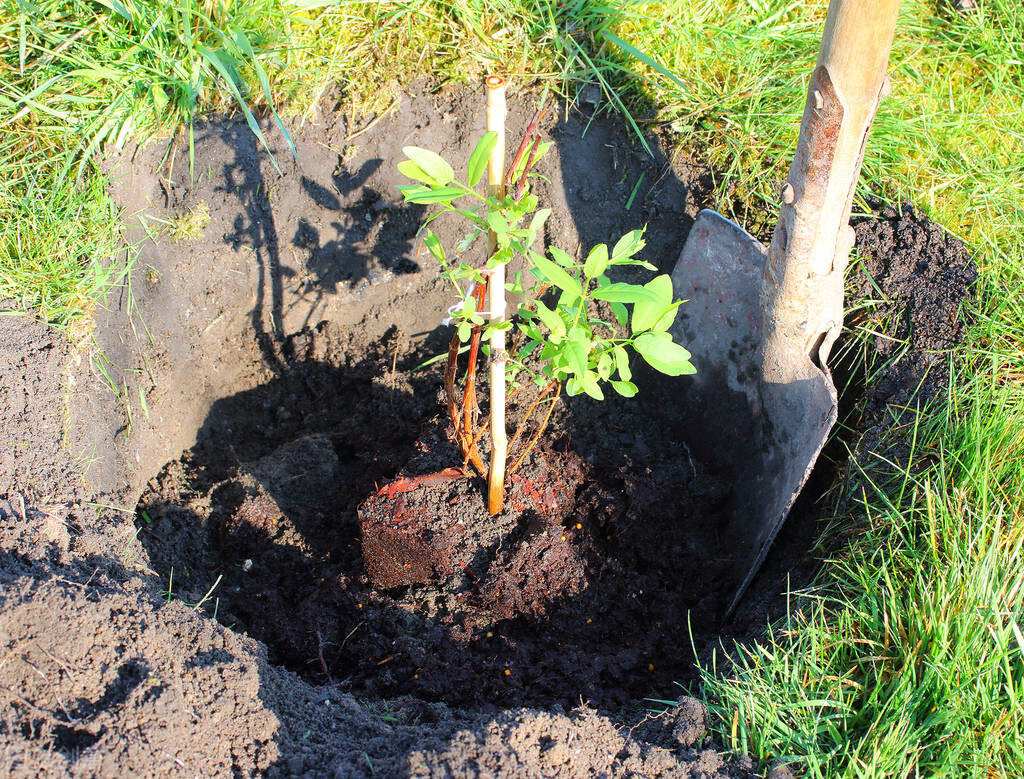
763, 436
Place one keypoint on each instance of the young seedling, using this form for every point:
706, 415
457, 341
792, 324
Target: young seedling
559, 340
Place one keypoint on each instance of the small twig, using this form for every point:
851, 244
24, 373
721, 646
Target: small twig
521, 186
373, 122
461, 417
79, 584
12, 653
177, 760
394, 365
529, 412
353, 630
24, 702
469, 404
320, 655
531, 128
55, 659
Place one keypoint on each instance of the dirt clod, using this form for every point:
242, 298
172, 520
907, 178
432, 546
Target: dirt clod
691, 722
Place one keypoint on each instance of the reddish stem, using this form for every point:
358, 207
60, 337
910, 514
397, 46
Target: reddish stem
409, 483
521, 186
531, 128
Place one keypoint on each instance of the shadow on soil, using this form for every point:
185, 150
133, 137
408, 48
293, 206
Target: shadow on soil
361, 239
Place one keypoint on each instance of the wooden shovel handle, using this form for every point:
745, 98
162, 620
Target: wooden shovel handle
855, 46
803, 284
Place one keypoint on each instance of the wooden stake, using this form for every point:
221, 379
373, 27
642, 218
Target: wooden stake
496, 298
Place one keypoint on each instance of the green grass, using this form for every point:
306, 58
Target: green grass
77, 77
905, 658
56, 248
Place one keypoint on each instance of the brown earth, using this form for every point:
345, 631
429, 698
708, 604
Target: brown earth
181, 583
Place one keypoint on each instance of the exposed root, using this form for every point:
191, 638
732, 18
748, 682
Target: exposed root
557, 385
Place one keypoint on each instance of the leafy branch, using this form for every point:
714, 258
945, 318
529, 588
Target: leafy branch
562, 342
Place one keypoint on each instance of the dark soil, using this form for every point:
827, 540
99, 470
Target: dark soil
920, 278
33, 364
182, 582
584, 585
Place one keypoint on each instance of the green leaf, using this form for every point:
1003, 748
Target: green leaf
625, 388
473, 216
665, 320
431, 163
119, 8
568, 302
242, 42
551, 320
498, 224
478, 159
160, 99
542, 148
624, 293
620, 311
467, 241
414, 193
604, 366
556, 275
597, 261
562, 258
647, 60
663, 354
527, 349
433, 243
622, 363
591, 385
627, 246
516, 285
649, 313
580, 332
500, 257
576, 356
573, 387
411, 170
466, 271
223, 63
465, 329
537, 223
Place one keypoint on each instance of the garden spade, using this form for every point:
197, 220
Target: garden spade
760, 322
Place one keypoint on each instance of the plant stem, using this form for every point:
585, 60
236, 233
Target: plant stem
496, 295
531, 128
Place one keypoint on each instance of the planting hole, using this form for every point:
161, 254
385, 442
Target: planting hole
286, 397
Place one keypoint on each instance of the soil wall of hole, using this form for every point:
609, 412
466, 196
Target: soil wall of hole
264, 357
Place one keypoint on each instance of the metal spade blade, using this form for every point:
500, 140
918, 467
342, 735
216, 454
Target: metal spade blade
764, 436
